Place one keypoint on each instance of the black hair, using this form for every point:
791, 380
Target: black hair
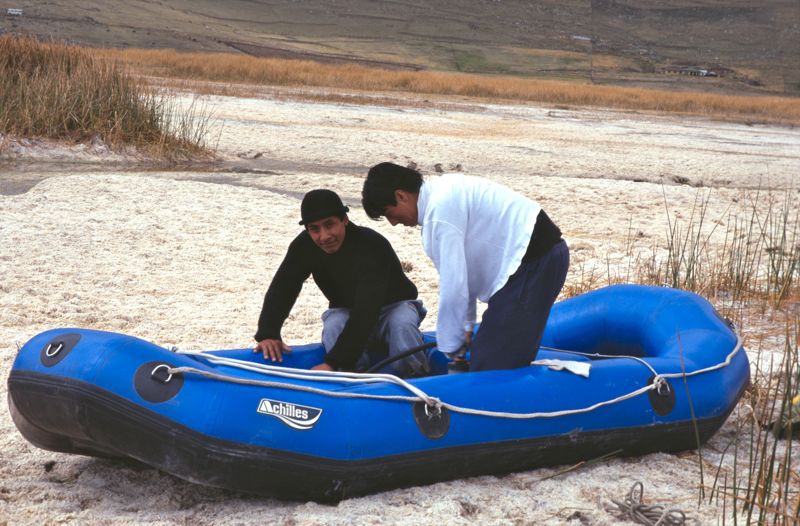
382, 181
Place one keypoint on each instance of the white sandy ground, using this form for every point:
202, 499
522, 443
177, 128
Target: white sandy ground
180, 259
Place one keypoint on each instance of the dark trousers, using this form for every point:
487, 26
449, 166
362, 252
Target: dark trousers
512, 326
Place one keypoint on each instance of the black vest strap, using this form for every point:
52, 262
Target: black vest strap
545, 236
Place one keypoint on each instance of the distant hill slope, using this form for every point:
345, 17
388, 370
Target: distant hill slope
715, 45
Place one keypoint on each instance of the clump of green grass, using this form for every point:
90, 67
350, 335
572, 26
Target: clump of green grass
60, 91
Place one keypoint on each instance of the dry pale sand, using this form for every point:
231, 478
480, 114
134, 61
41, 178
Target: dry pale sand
183, 258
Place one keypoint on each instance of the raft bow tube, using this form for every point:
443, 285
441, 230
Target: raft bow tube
664, 371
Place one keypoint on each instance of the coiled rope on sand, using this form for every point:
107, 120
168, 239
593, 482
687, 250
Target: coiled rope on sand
634, 510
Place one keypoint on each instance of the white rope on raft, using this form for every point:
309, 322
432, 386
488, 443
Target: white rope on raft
338, 377
419, 396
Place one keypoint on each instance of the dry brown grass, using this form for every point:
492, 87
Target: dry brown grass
756, 266
753, 275
60, 91
266, 71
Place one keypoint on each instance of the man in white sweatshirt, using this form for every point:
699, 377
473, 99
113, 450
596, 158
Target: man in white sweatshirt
488, 243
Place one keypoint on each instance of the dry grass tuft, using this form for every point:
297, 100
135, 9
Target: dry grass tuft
61, 91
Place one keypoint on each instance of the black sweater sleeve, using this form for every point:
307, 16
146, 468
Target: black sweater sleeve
283, 292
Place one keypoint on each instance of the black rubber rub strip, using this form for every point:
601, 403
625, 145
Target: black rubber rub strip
70, 416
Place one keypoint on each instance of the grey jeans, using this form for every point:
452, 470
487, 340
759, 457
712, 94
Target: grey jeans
396, 331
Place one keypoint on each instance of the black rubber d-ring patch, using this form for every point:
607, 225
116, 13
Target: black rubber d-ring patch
59, 347
662, 399
154, 383
434, 423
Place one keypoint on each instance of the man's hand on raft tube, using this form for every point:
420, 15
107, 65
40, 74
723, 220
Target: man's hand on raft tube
272, 349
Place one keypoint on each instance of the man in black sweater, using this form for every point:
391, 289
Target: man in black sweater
372, 304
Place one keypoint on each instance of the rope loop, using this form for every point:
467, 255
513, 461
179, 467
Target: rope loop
157, 368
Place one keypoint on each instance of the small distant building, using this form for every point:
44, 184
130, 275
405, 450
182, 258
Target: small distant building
13, 12
691, 71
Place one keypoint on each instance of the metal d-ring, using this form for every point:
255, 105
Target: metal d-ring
662, 396
50, 352
154, 385
156, 368
432, 418
435, 414
58, 348
661, 383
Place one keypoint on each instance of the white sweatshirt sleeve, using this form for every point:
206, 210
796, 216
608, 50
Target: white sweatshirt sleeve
445, 246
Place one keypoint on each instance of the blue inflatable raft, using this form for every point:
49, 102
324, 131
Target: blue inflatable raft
657, 370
